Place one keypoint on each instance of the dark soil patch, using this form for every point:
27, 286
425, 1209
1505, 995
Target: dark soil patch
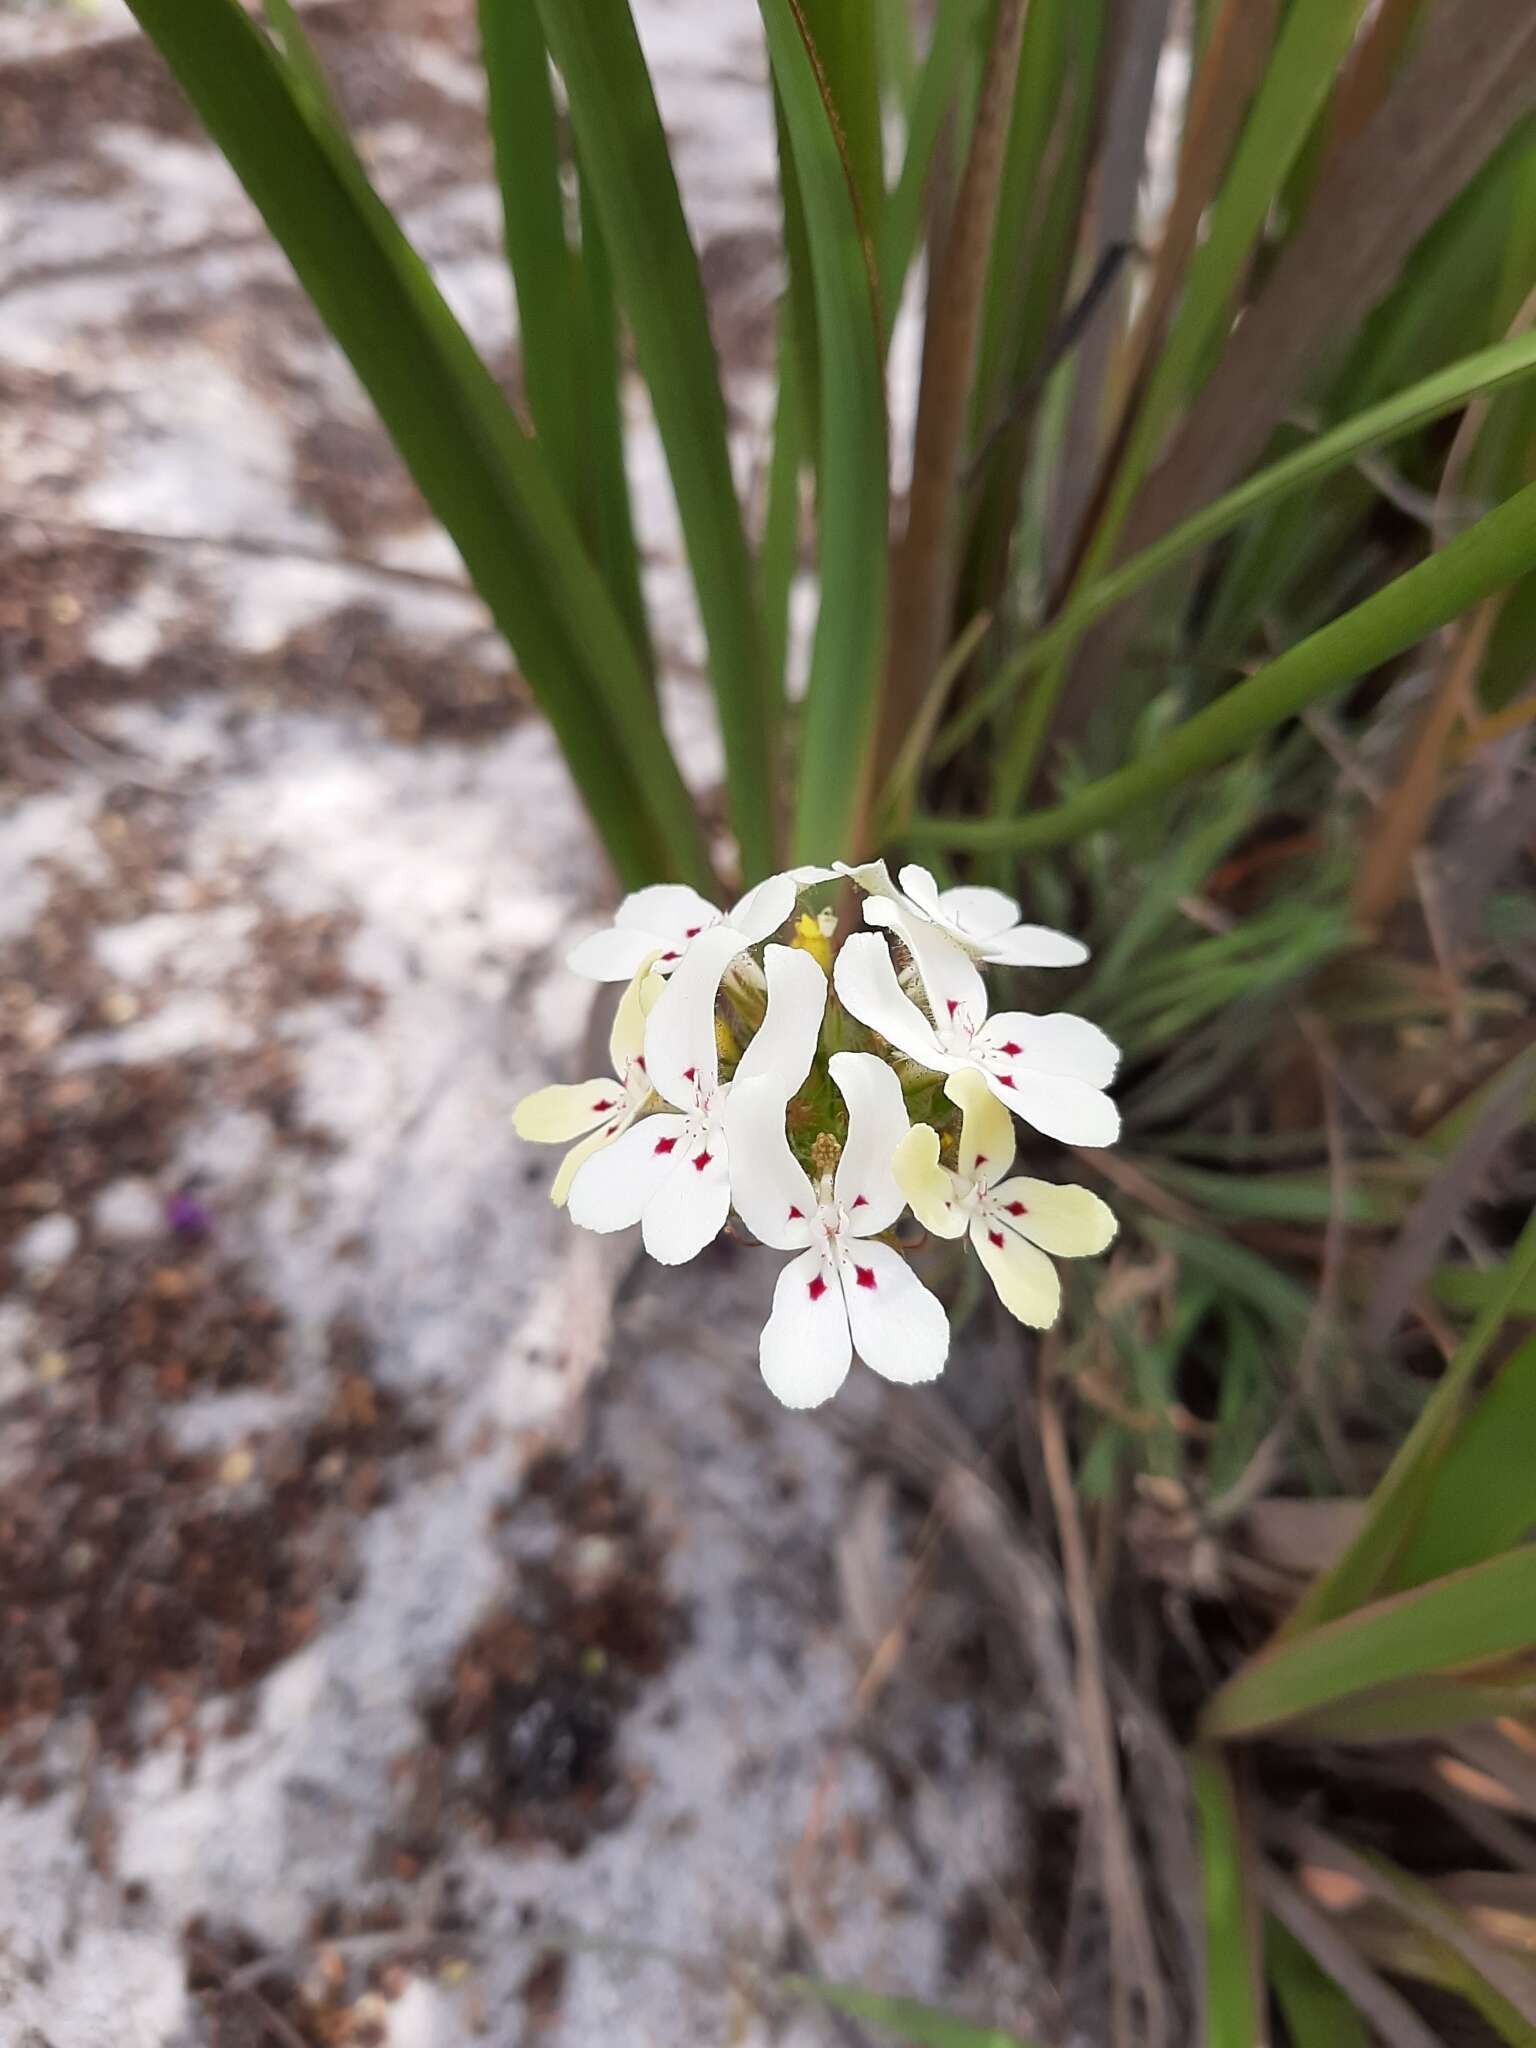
131, 1571
350, 472
523, 1738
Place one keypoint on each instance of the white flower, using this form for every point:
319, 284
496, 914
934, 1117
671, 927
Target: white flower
1013, 1224
553, 1116
983, 922
671, 1173
1051, 1071
666, 918
844, 1293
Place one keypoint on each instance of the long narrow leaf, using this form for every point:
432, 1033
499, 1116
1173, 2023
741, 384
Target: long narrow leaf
1317, 2013
954, 25
1231, 1964
1495, 552
623, 153
1467, 1618
922, 2026
486, 481
1483, 1498
837, 719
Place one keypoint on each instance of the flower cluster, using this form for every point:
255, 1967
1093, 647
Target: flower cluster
820, 1098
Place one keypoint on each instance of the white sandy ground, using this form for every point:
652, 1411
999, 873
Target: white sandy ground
468, 870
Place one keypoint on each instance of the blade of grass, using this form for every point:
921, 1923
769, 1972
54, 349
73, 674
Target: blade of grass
1470, 1617
481, 474
1317, 2013
624, 155
1416, 1709
932, 98
779, 552
1495, 552
1389, 2013
1232, 2010
923, 2026
845, 35
838, 715
1398, 1500
1445, 392
1482, 1500
525, 139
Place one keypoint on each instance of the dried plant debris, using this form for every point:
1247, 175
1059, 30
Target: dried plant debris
524, 1735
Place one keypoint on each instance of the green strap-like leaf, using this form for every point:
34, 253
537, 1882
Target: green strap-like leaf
1228, 1920
837, 719
1495, 552
480, 473
623, 151
922, 2026
1468, 1618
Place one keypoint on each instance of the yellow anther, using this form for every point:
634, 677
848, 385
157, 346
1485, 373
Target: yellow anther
813, 935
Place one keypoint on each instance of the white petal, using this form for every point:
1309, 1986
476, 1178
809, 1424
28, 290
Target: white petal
868, 989
918, 884
1069, 1222
872, 876
762, 910
671, 911
928, 1187
574, 1159
986, 1128
612, 1187
949, 975
611, 955
805, 1349
1034, 945
1057, 1044
553, 1116
1025, 1279
877, 1123
785, 1044
626, 1041
770, 1187
688, 1211
681, 1055
899, 1329
1069, 1111
807, 877
980, 913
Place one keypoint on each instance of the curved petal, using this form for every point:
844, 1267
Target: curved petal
1024, 1277
867, 987
1034, 945
872, 876
805, 1349
928, 1187
899, 1329
670, 911
1069, 1222
980, 913
1069, 1111
919, 887
772, 1192
951, 982
626, 1041
612, 1187
576, 1158
1058, 1044
785, 1044
553, 1116
808, 876
877, 1123
764, 909
688, 1211
611, 955
986, 1129
680, 1048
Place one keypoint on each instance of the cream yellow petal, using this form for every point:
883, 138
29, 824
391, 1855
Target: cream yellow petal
986, 1128
927, 1187
1067, 1222
577, 1156
1024, 1277
626, 1041
553, 1116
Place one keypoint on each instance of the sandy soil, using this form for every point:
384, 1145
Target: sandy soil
377, 1616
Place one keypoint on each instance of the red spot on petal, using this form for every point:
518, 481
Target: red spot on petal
1017, 1209
1005, 1080
690, 1073
866, 1275
640, 1061
981, 1158
859, 1202
669, 956
607, 1103
796, 1215
693, 931
701, 1160
665, 1144
953, 1006
1011, 1051
995, 1237
817, 1288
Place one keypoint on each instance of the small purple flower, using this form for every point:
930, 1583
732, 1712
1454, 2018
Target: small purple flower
187, 1217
